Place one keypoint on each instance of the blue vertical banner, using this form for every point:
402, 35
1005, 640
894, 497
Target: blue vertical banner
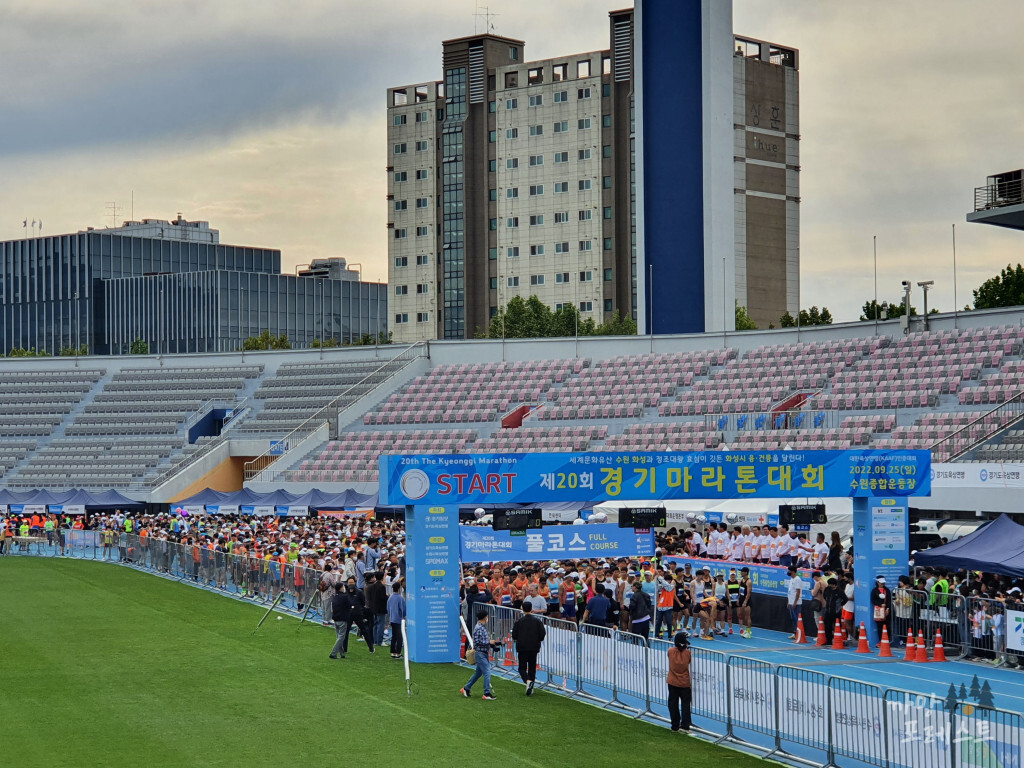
881, 535
432, 583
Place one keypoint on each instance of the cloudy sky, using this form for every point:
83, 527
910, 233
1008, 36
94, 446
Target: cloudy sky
267, 119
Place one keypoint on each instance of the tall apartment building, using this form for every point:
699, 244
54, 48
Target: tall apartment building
514, 178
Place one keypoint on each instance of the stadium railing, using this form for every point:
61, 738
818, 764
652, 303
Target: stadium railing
794, 714
917, 612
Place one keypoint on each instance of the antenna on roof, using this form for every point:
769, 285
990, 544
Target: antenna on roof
113, 209
486, 15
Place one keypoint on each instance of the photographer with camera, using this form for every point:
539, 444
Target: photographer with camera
680, 693
482, 652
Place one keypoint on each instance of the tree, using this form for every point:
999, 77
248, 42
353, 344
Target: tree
326, 343
962, 693
266, 340
886, 310
30, 352
812, 316
139, 347
951, 699
975, 688
1004, 290
985, 699
369, 340
617, 325
533, 319
72, 352
743, 320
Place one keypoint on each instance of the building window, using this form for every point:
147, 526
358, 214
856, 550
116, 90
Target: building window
561, 277
535, 76
421, 231
511, 133
401, 149
536, 130
561, 247
608, 274
401, 261
586, 306
562, 126
606, 182
561, 217
561, 186
583, 93
511, 222
492, 106
401, 317
511, 103
583, 123
607, 243
512, 252
401, 205
607, 305
561, 96
586, 245
492, 166
536, 279
422, 260
587, 277
513, 54
511, 79
401, 290
399, 119
584, 185
492, 253
561, 157
607, 211
583, 154
606, 121
586, 215
558, 307
513, 282
401, 176
536, 189
493, 194
422, 174
536, 219
536, 160
422, 288
606, 90
494, 283
422, 317
422, 202
606, 150
537, 250
512, 192
422, 146
422, 117
559, 72
537, 101
400, 233
440, 115
583, 68
494, 224
492, 137
511, 163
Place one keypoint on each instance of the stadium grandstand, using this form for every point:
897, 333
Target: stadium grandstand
154, 427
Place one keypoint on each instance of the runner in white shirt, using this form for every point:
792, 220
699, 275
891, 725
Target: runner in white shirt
820, 552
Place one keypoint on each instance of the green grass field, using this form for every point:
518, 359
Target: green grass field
102, 665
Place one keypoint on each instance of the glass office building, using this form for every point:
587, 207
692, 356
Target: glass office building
104, 288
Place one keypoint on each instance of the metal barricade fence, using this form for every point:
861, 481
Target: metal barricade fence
630, 681
918, 729
803, 709
858, 721
986, 628
983, 737
922, 612
751, 696
597, 663
709, 678
559, 656
499, 626
657, 674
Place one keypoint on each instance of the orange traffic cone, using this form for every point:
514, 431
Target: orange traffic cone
837, 637
510, 660
922, 648
821, 642
911, 648
884, 648
801, 635
862, 641
939, 653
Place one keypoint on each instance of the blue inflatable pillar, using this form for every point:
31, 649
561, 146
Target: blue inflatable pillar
881, 533
432, 583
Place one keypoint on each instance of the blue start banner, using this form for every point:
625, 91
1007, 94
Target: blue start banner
556, 542
511, 478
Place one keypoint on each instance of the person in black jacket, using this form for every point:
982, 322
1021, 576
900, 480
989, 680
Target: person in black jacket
340, 612
640, 611
528, 632
358, 613
377, 603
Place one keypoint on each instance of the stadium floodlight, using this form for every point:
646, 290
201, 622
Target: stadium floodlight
924, 286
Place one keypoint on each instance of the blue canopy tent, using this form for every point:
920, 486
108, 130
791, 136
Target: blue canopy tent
997, 547
314, 499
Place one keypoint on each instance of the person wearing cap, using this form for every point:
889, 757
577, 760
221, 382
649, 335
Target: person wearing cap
679, 681
567, 596
881, 607
528, 633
